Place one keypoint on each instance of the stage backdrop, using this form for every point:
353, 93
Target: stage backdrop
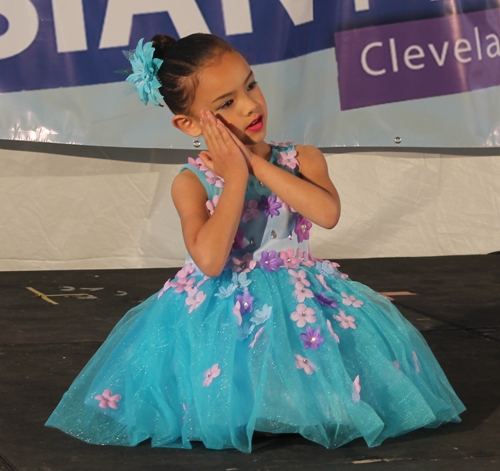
412, 73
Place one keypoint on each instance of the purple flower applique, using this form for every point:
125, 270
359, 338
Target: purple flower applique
246, 302
198, 163
166, 286
245, 264
356, 389
286, 207
321, 279
301, 292
269, 261
350, 300
108, 399
303, 314
238, 243
303, 363
210, 374
237, 312
214, 179
257, 335
269, 205
325, 301
312, 338
288, 159
212, 204
194, 299
302, 226
346, 322
289, 259
330, 328
250, 210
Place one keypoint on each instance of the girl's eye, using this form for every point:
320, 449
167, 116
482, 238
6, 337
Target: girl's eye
252, 85
226, 104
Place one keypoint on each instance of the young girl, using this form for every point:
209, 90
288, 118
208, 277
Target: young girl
253, 334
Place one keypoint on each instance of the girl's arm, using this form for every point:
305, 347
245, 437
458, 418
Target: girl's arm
209, 239
314, 195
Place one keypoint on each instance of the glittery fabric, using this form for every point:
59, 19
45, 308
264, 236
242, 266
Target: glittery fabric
290, 346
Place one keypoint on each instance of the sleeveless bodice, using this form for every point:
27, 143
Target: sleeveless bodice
270, 231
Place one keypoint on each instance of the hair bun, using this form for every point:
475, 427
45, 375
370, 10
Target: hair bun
162, 43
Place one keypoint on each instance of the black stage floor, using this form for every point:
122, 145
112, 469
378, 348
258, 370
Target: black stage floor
44, 345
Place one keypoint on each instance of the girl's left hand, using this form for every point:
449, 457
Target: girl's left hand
247, 153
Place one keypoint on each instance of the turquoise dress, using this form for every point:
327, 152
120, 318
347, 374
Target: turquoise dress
279, 342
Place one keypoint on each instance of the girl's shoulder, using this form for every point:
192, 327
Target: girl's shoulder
309, 154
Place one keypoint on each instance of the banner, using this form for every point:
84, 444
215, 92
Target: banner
413, 73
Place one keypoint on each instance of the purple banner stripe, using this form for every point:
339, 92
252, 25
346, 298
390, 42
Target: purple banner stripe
418, 59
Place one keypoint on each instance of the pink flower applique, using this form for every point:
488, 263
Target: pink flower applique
415, 360
303, 314
166, 286
289, 259
356, 389
299, 277
257, 335
346, 322
238, 243
245, 264
212, 204
282, 144
321, 279
205, 278
286, 207
330, 328
214, 179
237, 312
304, 363
396, 364
198, 163
185, 271
194, 299
184, 408
288, 159
210, 374
183, 284
350, 300
301, 292
305, 259
302, 226
108, 399
250, 210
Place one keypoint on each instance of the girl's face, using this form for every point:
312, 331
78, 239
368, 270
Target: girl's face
227, 88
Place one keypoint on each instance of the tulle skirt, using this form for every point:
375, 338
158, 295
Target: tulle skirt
291, 350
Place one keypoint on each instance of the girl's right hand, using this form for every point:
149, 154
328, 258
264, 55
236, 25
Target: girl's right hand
224, 157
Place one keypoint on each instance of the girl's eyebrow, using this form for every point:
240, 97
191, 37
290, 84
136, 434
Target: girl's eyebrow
230, 93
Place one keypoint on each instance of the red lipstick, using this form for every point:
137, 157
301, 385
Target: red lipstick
256, 124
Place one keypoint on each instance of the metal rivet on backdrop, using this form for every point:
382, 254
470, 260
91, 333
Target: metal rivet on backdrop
397, 140
197, 143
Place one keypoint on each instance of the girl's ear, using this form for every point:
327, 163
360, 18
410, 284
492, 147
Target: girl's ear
187, 124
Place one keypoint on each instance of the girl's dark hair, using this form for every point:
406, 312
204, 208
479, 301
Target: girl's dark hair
181, 60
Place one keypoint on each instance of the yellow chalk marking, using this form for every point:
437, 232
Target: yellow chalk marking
46, 297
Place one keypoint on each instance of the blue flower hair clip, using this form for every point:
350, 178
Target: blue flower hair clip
145, 72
